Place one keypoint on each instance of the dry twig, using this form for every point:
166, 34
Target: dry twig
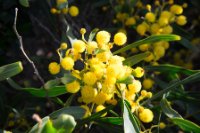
22, 48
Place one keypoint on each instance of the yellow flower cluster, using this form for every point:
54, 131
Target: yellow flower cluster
61, 7
160, 23
103, 78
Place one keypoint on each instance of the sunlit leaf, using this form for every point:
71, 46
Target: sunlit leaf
130, 61
168, 68
149, 40
10, 70
167, 109
92, 34
130, 122
76, 111
41, 92
186, 125
112, 120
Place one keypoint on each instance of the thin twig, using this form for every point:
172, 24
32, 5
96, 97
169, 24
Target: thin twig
22, 48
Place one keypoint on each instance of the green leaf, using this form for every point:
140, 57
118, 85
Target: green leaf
10, 70
13, 84
51, 83
92, 34
168, 68
186, 43
41, 92
64, 124
167, 109
126, 80
112, 120
189, 79
130, 123
76, 111
149, 40
186, 125
130, 61
49, 128
24, 3
180, 31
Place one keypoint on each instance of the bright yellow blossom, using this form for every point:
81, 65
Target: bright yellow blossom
120, 39
67, 63
73, 87
146, 116
73, 11
54, 68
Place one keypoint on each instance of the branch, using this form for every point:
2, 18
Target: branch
36, 72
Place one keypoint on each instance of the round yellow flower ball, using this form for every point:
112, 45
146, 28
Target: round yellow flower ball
54, 68
73, 11
147, 83
89, 78
181, 20
88, 94
150, 17
138, 72
146, 116
141, 29
162, 125
103, 37
120, 39
73, 87
130, 21
176, 9
79, 46
67, 63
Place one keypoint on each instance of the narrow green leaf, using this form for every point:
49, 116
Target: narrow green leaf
180, 31
189, 79
92, 34
58, 101
51, 83
24, 3
41, 92
69, 100
167, 109
76, 111
10, 70
130, 122
130, 61
149, 40
112, 120
168, 68
13, 84
186, 125
186, 43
